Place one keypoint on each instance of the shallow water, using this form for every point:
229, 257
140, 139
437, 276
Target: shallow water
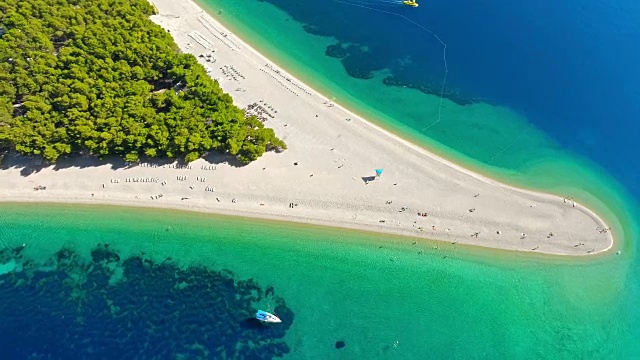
551, 123
491, 136
560, 78
155, 282
179, 282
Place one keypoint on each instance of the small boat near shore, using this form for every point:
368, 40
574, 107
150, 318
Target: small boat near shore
267, 317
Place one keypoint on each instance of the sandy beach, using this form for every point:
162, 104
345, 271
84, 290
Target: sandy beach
326, 177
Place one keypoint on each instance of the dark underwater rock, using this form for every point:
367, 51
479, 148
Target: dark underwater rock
153, 310
431, 89
336, 51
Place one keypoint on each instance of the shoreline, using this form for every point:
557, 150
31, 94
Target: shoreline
422, 143
82, 199
511, 218
317, 225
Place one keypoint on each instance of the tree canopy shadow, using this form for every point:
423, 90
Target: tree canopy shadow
218, 158
30, 165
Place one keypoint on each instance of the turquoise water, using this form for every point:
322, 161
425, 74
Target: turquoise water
550, 123
561, 82
379, 295
383, 296
491, 138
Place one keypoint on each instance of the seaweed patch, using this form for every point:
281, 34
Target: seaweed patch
111, 307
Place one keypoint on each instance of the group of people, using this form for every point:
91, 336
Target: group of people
144, 180
208, 57
176, 166
288, 79
261, 110
294, 92
143, 164
231, 72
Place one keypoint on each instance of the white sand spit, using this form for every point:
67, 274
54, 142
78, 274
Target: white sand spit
334, 181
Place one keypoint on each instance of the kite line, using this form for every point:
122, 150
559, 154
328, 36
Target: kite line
444, 52
359, 4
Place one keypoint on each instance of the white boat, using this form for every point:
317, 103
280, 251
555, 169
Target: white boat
267, 317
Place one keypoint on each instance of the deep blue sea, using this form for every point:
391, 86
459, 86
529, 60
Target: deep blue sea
84, 282
572, 67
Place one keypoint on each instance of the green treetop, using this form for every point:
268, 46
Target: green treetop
98, 77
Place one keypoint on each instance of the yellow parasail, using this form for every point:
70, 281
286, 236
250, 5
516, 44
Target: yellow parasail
411, 3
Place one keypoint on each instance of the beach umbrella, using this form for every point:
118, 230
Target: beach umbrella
379, 172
